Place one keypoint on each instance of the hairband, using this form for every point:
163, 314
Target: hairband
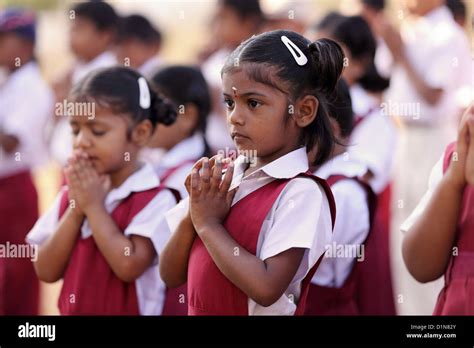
144, 93
295, 51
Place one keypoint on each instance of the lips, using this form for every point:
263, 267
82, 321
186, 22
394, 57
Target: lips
238, 135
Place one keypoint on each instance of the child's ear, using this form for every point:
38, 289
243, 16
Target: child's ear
142, 132
189, 120
306, 109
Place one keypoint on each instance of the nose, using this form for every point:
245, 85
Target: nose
82, 141
236, 116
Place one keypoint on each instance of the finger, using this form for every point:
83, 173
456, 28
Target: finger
205, 175
230, 196
195, 179
227, 181
216, 176
462, 143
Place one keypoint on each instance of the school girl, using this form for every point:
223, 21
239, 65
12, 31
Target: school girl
106, 227
334, 287
439, 233
373, 144
184, 141
245, 242
26, 102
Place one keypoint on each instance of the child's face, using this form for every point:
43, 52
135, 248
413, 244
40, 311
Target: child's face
258, 116
230, 29
13, 49
103, 138
135, 52
86, 40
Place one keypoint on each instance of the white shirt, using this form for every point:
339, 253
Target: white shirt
149, 223
26, 104
438, 50
299, 218
150, 67
435, 178
373, 142
352, 221
190, 149
61, 141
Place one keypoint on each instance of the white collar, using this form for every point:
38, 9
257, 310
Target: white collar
21, 73
438, 14
189, 149
341, 164
143, 179
150, 67
105, 59
362, 102
284, 167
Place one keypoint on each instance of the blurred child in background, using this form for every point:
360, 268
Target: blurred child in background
26, 102
92, 35
138, 45
184, 142
233, 22
334, 289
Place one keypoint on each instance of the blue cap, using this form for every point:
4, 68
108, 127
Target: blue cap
18, 21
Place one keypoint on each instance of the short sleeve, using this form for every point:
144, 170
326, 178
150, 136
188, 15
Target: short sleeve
46, 224
150, 222
435, 178
301, 220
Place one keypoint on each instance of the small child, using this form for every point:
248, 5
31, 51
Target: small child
104, 231
184, 141
334, 289
254, 250
138, 45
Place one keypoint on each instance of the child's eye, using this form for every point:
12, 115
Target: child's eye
229, 103
98, 133
253, 103
75, 131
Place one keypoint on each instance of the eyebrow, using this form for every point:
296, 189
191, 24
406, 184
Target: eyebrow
246, 94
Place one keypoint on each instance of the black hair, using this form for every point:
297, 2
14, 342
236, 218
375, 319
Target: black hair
354, 32
457, 8
340, 108
139, 28
267, 60
184, 85
329, 21
244, 8
100, 13
118, 88
377, 5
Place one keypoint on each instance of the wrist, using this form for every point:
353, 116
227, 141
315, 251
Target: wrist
203, 229
454, 183
94, 208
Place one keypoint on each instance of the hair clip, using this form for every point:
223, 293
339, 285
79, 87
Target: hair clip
295, 51
144, 93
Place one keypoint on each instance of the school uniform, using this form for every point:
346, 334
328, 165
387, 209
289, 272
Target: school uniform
456, 296
61, 139
26, 102
374, 143
269, 215
333, 289
90, 286
174, 165
150, 67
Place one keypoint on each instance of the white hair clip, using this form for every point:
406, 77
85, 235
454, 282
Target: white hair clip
295, 51
144, 93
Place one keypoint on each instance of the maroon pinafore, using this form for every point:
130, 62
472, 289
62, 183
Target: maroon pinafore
90, 286
209, 291
324, 300
457, 296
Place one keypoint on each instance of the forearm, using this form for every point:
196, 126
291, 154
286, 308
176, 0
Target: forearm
117, 249
427, 247
243, 269
54, 254
429, 94
175, 256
